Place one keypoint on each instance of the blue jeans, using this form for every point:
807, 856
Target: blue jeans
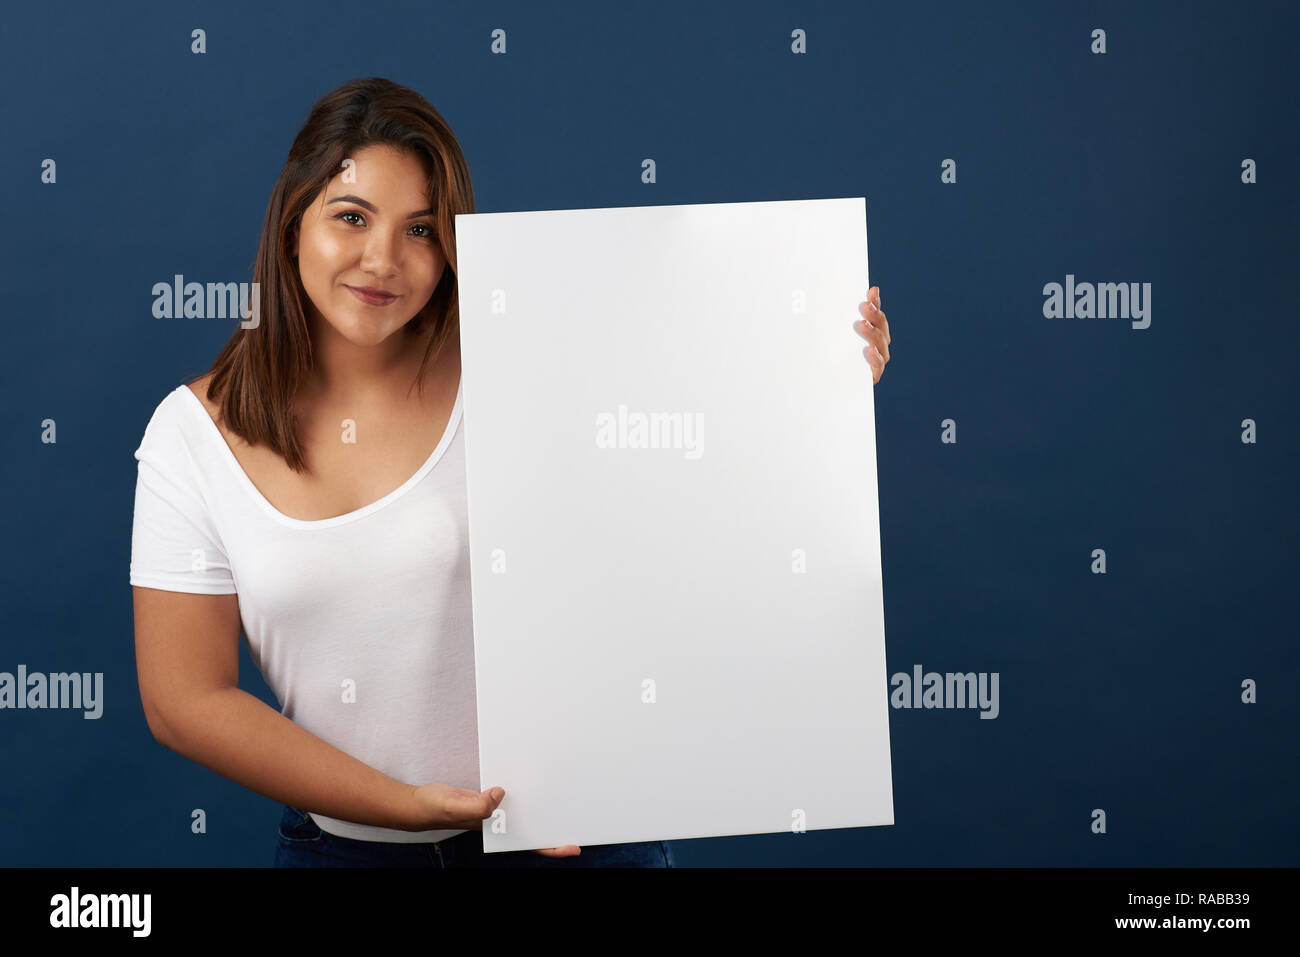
302, 843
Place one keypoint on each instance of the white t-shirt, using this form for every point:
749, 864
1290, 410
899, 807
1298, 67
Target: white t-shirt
361, 624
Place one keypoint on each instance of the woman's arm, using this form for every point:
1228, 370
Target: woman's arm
187, 660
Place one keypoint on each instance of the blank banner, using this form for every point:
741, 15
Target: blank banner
674, 522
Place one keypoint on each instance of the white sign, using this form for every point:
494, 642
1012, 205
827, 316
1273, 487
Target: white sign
674, 522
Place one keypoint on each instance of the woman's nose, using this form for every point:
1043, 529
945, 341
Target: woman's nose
381, 254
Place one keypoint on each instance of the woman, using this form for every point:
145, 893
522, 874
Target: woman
310, 489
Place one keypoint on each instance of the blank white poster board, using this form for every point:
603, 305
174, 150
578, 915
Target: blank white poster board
674, 522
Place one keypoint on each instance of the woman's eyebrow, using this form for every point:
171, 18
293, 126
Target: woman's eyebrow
349, 198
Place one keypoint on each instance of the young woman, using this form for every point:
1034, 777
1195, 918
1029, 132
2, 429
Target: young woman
310, 490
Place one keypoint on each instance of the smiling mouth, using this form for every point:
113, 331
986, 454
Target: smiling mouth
372, 298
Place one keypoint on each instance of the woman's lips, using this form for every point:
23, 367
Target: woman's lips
369, 298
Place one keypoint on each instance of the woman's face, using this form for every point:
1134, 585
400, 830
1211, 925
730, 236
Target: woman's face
374, 233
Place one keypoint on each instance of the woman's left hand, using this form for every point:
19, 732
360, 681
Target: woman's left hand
875, 329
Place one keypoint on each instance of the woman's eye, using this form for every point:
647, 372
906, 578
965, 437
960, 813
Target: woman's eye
427, 234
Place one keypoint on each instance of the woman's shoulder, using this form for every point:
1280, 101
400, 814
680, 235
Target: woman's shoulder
199, 388
174, 427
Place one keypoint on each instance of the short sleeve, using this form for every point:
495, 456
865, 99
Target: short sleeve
175, 545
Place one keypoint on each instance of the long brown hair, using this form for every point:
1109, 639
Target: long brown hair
258, 372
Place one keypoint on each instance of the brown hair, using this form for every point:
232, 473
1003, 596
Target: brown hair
258, 372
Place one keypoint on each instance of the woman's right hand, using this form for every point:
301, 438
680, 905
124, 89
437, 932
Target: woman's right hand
444, 806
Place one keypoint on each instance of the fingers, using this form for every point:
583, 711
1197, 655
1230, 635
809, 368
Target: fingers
873, 328
471, 807
875, 316
877, 364
568, 850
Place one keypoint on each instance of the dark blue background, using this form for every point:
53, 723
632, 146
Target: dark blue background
1118, 691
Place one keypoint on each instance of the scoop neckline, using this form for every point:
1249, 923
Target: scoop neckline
228, 454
